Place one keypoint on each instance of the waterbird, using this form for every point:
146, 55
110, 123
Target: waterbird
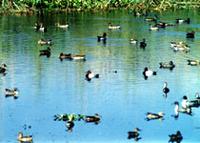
46, 52
89, 75
134, 134
62, 25
113, 27
133, 41
165, 89
180, 21
180, 46
193, 62
102, 38
92, 119
69, 125
154, 116
178, 109
45, 41
3, 68
175, 137
167, 65
143, 43
147, 73
24, 139
190, 34
40, 27
11, 92
63, 56
68, 117
153, 28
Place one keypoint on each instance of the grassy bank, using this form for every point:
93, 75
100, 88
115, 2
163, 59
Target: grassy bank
31, 6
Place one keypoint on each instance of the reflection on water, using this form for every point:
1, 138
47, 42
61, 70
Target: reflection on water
120, 95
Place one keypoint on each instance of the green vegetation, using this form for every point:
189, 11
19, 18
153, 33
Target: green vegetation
30, 6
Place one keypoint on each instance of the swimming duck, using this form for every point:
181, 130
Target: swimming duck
175, 137
69, 125
143, 43
92, 119
147, 73
153, 28
102, 38
165, 89
180, 46
25, 139
89, 75
46, 52
190, 34
11, 92
62, 26
40, 27
134, 134
45, 42
113, 27
193, 62
78, 57
3, 69
177, 110
133, 41
154, 116
180, 21
169, 65
196, 101
63, 56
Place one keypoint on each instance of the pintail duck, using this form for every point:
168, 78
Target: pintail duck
89, 75
92, 119
170, 65
3, 69
69, 125
24, 139
180, 21
62, 25
147, 73
45, 42
113, 27
154, 116
40, 27
133, 41
175, 137
165, 89
102, 38
46, 52
134, 134
193, 62
190, 34
143, 43
11, 92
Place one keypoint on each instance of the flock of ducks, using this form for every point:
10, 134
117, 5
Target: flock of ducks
69, 119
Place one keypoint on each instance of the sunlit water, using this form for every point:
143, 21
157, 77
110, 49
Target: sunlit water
48, 86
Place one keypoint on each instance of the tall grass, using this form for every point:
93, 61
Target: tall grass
137, 5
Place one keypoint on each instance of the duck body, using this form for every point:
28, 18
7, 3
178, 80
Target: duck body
170, 65
113, 27
3, 68
185, 110
11, 92
45, 42
24, 139
62, 25
154, 28
180, 21
92, 119
46, 52
143, 43
190, 34
102, 38
134, 134
154, 116
69, 125
193, 62
89, 75
40, 27
165, 89
63, 56
177, 138
133, 41
147, 73
180, 46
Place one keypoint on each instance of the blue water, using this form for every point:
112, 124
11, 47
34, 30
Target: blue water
48, 86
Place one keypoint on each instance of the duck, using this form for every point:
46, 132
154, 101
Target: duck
69, 125
92, 119
180, 21
154, 116
25, 139
147, 73
40, 27
170, 65
63, 56
45, 41
102, 38
3, 69
143, 43
134, 134
180, 46
193, 62
11, 92
46, 52
190, 34
62, 26
133, 41
113, 27
153, 28
175, 137
89, 75
78, 57
196, 101
178, 109
165, 89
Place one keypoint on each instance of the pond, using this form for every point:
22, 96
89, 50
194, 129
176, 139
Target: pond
121, 95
